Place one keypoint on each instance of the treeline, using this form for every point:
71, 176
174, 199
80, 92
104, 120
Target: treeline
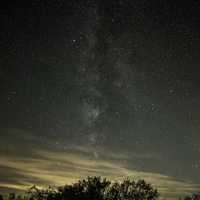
96, 188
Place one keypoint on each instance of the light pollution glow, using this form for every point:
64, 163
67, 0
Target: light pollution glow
60, 168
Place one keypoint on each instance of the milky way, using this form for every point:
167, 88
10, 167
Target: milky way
105, 88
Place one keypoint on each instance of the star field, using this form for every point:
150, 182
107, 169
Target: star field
86, 84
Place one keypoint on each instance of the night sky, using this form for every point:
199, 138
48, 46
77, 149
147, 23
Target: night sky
106, 88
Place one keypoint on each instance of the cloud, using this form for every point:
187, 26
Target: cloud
59, 168
24, 164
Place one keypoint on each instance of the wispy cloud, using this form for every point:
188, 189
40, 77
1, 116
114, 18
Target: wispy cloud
59, 168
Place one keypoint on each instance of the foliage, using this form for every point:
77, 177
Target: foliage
195, 196
96, 188
42, 194
92, 188
129, 190
101, 189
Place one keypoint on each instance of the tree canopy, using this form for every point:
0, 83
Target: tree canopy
97, 188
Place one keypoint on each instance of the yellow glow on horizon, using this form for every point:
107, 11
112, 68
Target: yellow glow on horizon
60, 168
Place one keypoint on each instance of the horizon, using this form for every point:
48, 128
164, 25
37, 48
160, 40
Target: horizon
96, 87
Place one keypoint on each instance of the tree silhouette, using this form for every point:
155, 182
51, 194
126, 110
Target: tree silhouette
195, 196
131, 190
96, 188
11, 196
91, 188
43, 194
102, 189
